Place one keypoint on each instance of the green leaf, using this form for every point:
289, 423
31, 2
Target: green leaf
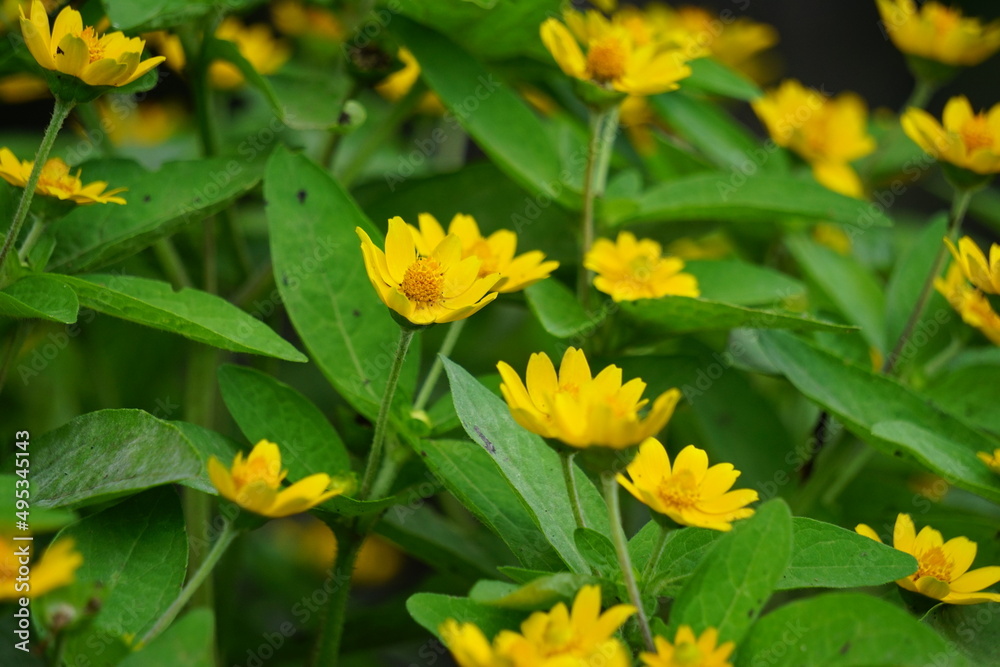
710, 76
849, 285
960, 392
39, 296
730, 586
597, 550
191, 313
539, 594
266, 409
974, 630
322, 281
558, 310
134, 560
684, 549
906, 422
840, 629
758, 198
188, 641
501, 123
431, 610
741, 283
828, 556
681, 314
908, 278
471, 475
528, 464
106, 454
159, 203
206, 443
158, 14
42, 520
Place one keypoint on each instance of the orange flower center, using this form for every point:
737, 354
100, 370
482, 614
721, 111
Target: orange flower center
258, 469
687, 654
423, 281
944, 19
976, 133
934, 563
680, 490
56, 179
606, 59
93, 42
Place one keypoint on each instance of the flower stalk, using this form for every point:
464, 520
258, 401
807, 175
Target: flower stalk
332, 626
447, 345
574, 493
603, 128
654, 558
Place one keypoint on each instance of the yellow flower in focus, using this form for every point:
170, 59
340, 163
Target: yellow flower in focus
828, 133
630, 269
23, 87
833, 237
613, 59
942, 567
984, 274
57, 181
937, 32
439, 287
690, 492
690, 651
970, 303
256, 43
582, 410
297, 19
395, 86
495, 252
169, 46
581, 636
991, 460
109, 60
255, 484
56, 568
966, 139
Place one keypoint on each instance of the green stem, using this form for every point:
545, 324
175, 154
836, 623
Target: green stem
37, 227
222, 543
59, 114
170, 260
58, 648
332, 626
959, 205
447, 345
396, 456
571, 488
259, 282
382, 422
923, 91
379, 135
21, 331
610, 485
603, 128
654, 558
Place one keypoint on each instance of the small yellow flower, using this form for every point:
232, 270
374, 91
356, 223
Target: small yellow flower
56, 568
630, 269
991, 460
496, 251
169, 46
395, 86
985, 275
970, 303
109, 60
297, 19
966, 139
613, 58
937, 32
437, 287
56, 181
255, 484
256, 43
581, 636
690, 493
715, 245
145, 124
942, 567
23, 87
828, 133
579, 409
690, 651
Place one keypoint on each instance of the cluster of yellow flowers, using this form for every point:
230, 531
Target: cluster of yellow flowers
968, 280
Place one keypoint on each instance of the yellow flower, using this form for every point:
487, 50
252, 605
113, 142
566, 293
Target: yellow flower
991, 460
297, 19
255, 483
714, 245
580, 410
613, 59
966, 139
983, 274
828, 133
630, 269
942, 567
22, 87
938, 33
145, 124
109, 60
581, 636
637, 119
496, 251
395, 86
256, 43
55, 569
690, 493
833, 237
437, 287
169, 46
690, 651
970, 303
56, 181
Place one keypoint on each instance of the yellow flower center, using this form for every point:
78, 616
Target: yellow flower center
55, 178
423, 281
687, 654
93, 42
258, 469
680, 489
976, 133
944, 19
606, 59
934, 563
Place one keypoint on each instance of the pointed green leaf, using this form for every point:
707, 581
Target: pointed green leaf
39, 296
681, 314
189, 641
711, 76
741, 283
558, 309
431, 610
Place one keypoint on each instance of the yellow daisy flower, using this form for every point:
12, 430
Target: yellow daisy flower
581, 410
469, 646
991, 460
630, 269
966, 139
56, 568
395, 86
690, 492
109, 60
496, 251
970, 303
56, 181
690, 651
255, 483
938, 32
439, 287
169, 46
296, 18
942, 567
256, 43
613, 59
983, 274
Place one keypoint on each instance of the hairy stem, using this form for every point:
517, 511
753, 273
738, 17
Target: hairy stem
571, 488
447, 345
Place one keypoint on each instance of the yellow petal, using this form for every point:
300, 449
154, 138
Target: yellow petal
400, 250
72, 55
564, 48
35, 30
